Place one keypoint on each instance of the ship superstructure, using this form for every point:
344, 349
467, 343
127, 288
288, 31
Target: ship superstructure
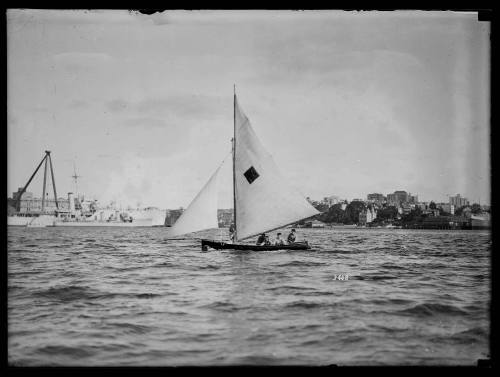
26, 210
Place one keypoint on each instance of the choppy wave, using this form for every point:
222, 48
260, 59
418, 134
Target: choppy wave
117, 297
304, 304
301, 263
77, 352
424, 310
129, 327
475, 334
69, 293
78, 293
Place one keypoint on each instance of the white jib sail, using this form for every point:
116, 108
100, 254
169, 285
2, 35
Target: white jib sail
264, 199
201, 213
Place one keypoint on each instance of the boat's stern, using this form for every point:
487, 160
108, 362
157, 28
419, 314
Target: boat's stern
204, 246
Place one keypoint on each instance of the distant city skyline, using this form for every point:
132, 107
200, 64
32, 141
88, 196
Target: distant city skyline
348, 103
454, 199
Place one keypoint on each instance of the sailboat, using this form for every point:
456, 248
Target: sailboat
263, 200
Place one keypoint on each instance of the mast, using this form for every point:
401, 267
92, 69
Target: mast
75, 177
234, 164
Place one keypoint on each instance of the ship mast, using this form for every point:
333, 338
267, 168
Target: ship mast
75, 177
235, 238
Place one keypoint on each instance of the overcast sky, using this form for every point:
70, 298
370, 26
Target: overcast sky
348, 103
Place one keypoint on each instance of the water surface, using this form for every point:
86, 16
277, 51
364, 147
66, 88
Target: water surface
130, 296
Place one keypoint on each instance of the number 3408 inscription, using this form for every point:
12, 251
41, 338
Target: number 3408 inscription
341, 277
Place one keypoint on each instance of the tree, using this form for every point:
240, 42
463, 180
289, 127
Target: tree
335, 214
413, 215
475, 209
432, 205
387, 213
322, 207
352, 211
442, 212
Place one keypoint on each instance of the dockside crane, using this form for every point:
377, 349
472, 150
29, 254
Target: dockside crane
48, 160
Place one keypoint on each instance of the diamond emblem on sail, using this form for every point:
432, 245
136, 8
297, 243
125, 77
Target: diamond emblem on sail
251, 174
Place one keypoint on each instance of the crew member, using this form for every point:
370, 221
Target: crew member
231, 232
291, 236
261, 239
279, 240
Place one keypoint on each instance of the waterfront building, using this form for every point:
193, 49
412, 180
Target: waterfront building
26, 195
314, 224
412, 198
458, 201
391, 199
401, 197
448, 208
422, 206
362, 217
30, 204
367, 216
406, 208
430, 212
397, 197
443, 222
376, 197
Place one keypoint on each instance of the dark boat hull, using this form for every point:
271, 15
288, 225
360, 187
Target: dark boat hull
205, 244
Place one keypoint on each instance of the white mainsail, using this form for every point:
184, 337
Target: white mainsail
202, 212
264, 200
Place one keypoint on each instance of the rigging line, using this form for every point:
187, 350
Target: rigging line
225, 158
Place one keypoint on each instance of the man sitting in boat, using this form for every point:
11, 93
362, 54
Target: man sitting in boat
267, 242
261, 239
279, 241
231, 232
291, 236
